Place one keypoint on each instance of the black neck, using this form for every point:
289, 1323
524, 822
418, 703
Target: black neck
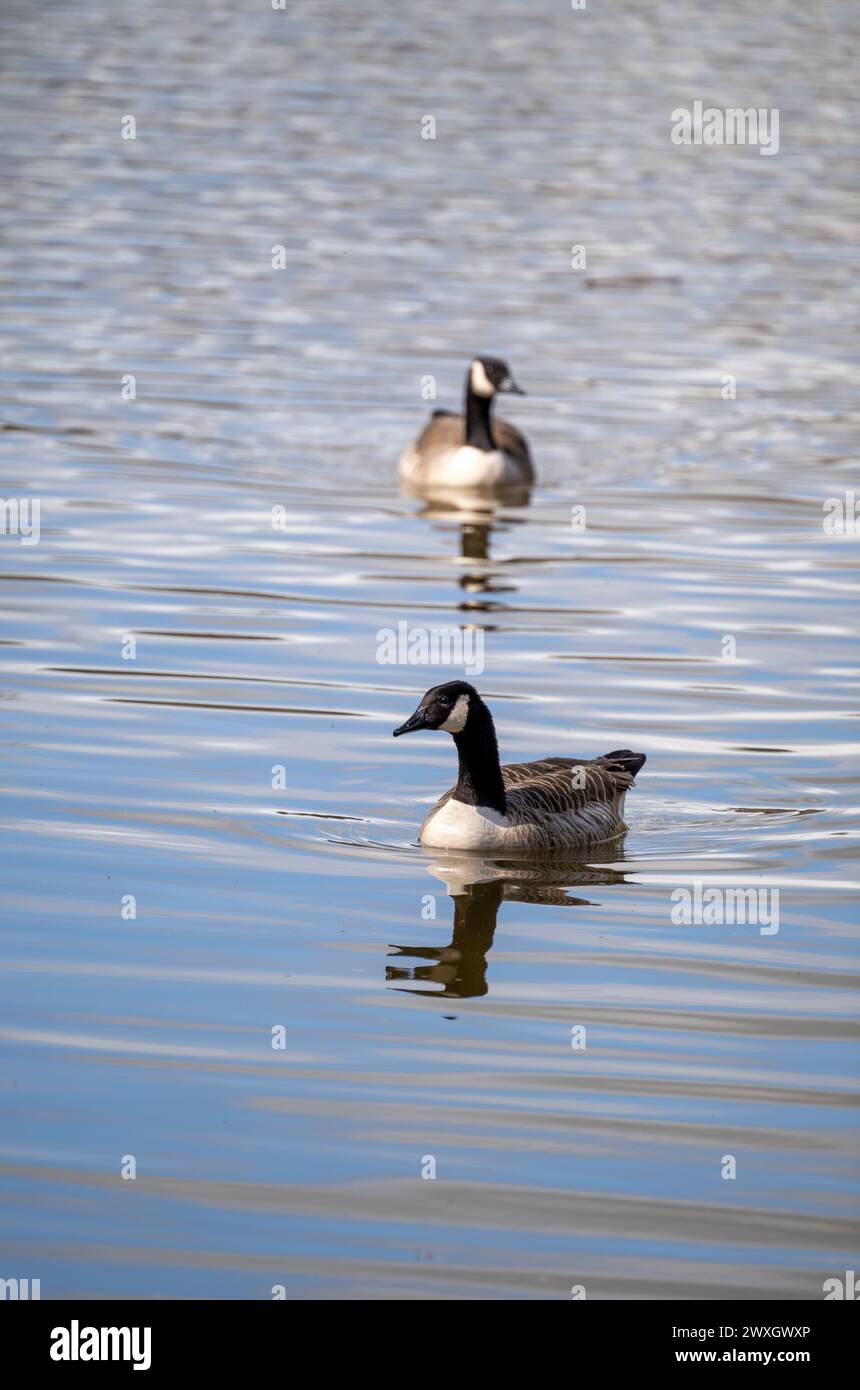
479, 431
480, 780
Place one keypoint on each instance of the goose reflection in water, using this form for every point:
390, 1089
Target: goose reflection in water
478, 887
476, 514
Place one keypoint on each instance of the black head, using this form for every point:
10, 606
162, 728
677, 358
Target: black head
490, 375
447, 707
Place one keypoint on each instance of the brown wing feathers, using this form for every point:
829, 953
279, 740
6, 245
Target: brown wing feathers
557, 785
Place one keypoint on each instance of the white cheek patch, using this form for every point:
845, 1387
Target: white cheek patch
456, 721
481, 384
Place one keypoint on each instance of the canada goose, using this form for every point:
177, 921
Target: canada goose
471, 450
556, 803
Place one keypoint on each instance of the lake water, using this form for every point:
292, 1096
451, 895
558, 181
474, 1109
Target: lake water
580, 1068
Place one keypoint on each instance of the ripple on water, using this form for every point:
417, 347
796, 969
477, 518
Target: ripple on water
218, 555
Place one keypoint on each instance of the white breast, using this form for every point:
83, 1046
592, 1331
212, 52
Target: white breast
458, 826
470, 467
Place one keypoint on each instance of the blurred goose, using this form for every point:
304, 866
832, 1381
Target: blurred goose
557, 803
471, 450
